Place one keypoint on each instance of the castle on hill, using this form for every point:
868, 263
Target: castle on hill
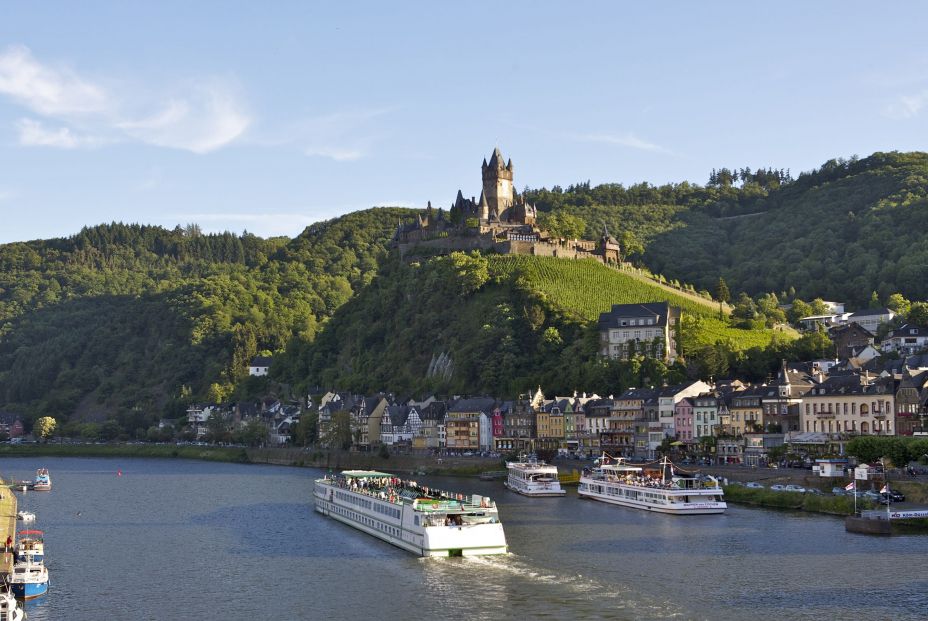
500, 220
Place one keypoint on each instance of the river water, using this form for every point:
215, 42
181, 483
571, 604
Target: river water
174, 539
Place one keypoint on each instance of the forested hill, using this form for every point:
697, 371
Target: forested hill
134, 321
840, 232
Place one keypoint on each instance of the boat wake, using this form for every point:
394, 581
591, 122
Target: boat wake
515, 588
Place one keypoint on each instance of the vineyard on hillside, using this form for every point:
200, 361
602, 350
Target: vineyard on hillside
586, 288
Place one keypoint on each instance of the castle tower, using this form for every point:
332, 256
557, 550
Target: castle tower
497, 184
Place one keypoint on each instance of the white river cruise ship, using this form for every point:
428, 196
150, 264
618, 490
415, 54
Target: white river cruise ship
424, 521
618, 483
531, 477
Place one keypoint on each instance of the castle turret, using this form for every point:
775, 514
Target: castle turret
483, 208
497, 183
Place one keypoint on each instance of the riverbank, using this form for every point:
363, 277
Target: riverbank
794, 501
207, 453
296, 457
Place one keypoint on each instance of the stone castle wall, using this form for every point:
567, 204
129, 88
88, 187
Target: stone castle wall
468, 243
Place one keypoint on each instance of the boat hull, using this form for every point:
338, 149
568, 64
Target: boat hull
696, 508
536, 493
29, 590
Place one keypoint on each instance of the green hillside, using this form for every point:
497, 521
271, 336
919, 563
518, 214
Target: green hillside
508, 323
587, 288
133, 321
840, 232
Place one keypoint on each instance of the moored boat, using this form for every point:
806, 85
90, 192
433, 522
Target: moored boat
25, 516
30, 545
532, 477
10, 609
29, 579
43, 482
614, 481
424, 521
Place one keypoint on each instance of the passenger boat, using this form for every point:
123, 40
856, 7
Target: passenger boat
531, 477
25, 516
43, 482
10, 610
29, 579
615, 482
30, 544
424, 521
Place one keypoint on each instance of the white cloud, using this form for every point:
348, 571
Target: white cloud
623, 140
34, 133
199, 116
47, 90
207, 118
906, 106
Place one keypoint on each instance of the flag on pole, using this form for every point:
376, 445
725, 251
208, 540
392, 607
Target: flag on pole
850, 486
885, 489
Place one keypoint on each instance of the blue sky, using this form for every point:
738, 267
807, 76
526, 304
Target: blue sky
270, 116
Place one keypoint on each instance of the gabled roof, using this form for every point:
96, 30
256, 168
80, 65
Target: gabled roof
908, 330
398, 414
657, 311
261, 361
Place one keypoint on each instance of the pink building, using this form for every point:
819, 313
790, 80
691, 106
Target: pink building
497, 422
683, 420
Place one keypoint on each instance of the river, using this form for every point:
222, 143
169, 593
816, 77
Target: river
174, 539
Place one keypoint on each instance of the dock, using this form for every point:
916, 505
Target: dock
8, 508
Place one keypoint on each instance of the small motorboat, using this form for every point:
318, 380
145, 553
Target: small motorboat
29, 579
25, 516
43, 482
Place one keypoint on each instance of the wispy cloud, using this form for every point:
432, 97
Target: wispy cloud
906, 106
47, 90
343, 136
198, 116
629, 140
34, 133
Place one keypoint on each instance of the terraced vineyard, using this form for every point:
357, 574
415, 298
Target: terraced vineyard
586, 288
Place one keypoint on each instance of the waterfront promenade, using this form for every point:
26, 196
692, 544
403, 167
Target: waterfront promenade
8, 508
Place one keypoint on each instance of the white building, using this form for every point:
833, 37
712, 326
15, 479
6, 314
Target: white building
259, 366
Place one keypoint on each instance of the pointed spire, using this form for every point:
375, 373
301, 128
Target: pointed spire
509, 165
496, 161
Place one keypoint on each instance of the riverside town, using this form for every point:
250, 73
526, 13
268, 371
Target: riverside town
485, 311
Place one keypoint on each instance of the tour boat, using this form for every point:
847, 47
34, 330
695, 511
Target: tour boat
25, 516
424, 521
30, 545
615, 482
43, 482
531, 477
29, 579
10, 610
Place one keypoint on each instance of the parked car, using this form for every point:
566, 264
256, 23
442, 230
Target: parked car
755, 485
812, 490
778, 488
838, 491
795, 488
890, 497
870, 495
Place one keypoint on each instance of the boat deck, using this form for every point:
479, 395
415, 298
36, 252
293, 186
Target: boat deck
8, 507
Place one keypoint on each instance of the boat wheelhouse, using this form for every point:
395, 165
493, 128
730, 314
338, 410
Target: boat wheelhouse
614, 481
420, 519
531, 477
30, 544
